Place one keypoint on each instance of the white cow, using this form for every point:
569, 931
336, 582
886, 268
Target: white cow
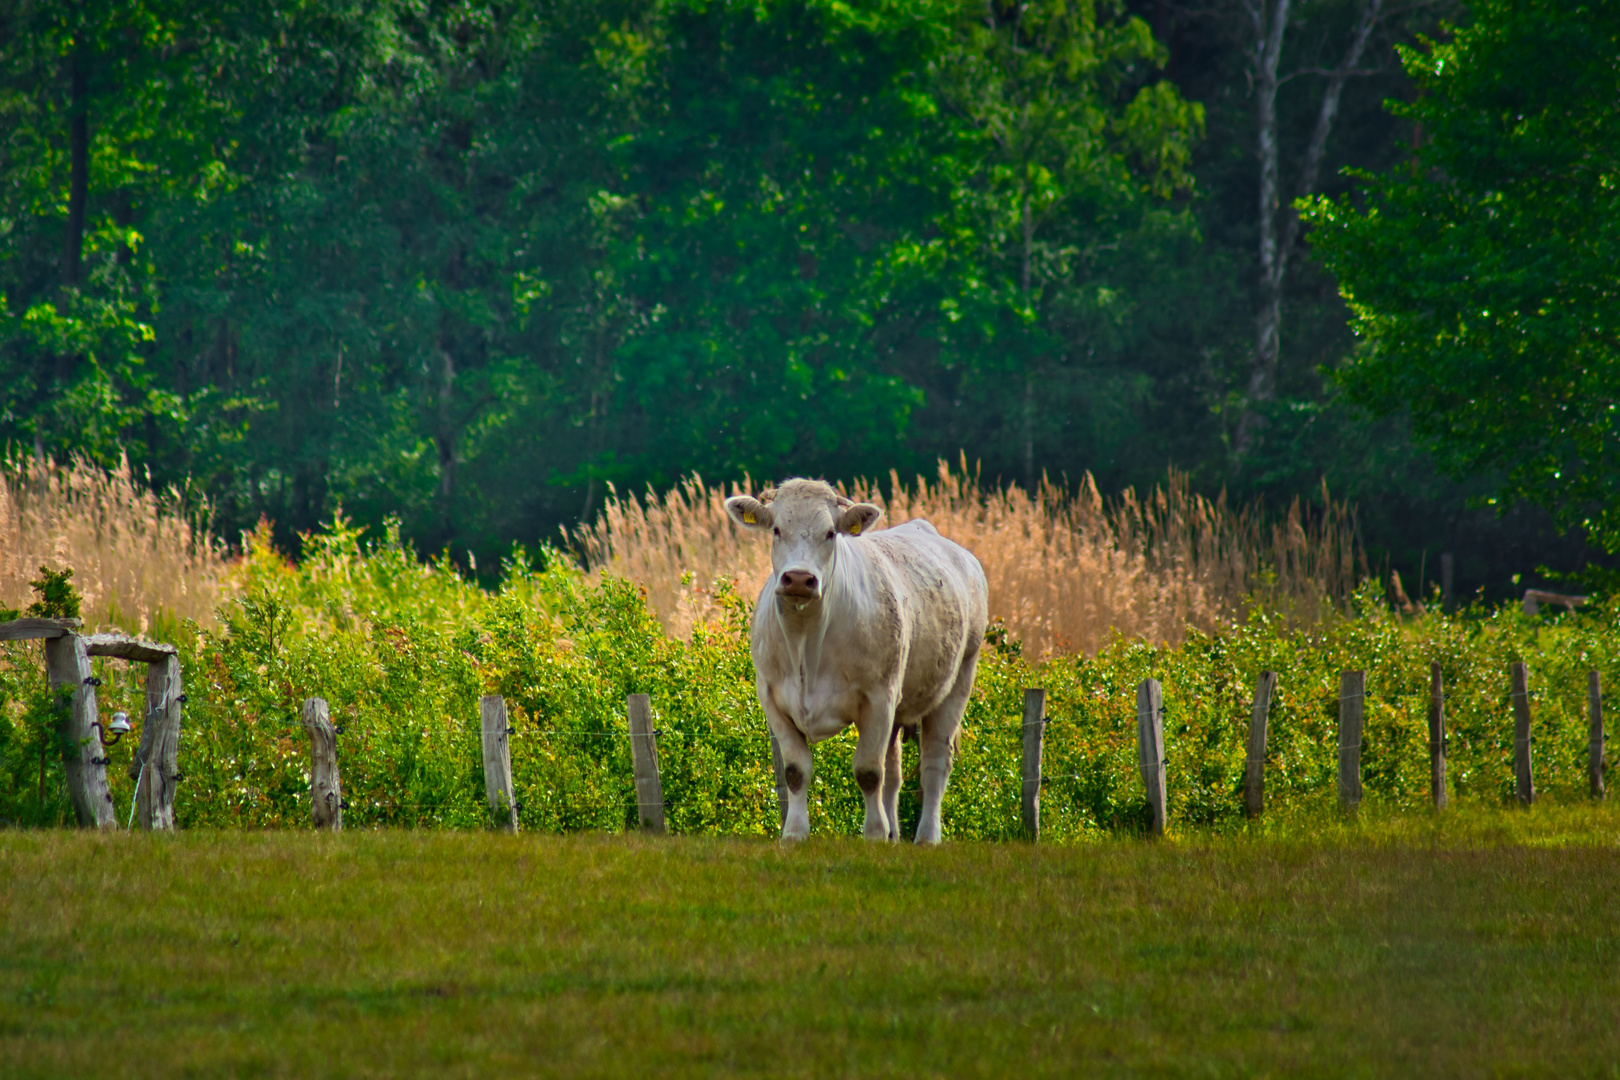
877, 629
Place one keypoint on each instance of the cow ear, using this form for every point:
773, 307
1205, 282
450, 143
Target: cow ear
749, 512
859, 518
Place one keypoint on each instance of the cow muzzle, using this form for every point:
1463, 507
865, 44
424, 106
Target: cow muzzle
798, 584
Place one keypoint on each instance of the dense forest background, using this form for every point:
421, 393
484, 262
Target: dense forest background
470, 263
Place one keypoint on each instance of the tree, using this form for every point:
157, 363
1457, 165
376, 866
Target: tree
1482, 277
1070, 147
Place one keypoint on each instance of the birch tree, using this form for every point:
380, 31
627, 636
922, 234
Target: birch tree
1266, 26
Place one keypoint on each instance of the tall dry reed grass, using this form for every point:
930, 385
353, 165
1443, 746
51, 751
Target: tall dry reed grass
1065, 569
140, 562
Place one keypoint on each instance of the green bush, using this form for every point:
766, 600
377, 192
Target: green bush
403, 649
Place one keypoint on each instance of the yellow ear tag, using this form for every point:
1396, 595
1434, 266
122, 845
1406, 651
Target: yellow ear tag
748, 516
855, 529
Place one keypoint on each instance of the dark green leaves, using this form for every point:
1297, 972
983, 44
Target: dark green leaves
1483, 278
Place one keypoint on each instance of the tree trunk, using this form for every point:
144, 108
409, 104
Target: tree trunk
1270, 23
78, 162
1029, 375
444, 438
1274, 251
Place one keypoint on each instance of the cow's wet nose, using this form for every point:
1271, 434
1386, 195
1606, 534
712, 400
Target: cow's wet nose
797, 583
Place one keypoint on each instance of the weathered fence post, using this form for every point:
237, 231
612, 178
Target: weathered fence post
1150, 748
325, 790
68, 664
1437, 735
156, 763
1029, 806
644, 756
1524, 784
156, 768
1352, 697
497, 758
1254, 769
781, 784
1594, 746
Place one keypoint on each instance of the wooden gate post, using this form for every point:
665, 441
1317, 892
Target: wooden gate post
1352, 698
644, 757
1594, 746
68, 664
1524, 783
781, 784
1034, 731
497, 758
1437, 736
156, 767
1254, 769
1150, 748
325, 789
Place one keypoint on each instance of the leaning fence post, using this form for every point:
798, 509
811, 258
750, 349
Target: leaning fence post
1352, 697
497, 757
781, 784
1594, 746
644, 757
1437, 735
85, 763
325, 790
1034, 738
1524, 783
1254, 769
1150, 748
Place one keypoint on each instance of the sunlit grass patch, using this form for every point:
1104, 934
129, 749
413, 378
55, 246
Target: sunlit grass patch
1480, 943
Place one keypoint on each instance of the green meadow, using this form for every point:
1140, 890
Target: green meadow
1480, 943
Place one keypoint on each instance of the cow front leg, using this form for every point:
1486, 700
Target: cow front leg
876, 727
936, 739
891, 783
796, 764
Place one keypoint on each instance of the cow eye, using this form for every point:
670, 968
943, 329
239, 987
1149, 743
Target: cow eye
831, 533
778, 532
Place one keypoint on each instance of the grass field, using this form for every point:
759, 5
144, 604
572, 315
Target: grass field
1485, 944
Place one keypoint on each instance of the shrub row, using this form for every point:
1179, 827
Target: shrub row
402, 649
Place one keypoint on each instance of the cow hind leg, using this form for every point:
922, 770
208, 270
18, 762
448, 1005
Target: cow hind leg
891, 784
936, 739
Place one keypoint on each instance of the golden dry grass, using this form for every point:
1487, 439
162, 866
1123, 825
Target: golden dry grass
1065, 569
139, 562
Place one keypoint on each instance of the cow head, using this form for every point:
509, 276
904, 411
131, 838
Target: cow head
805, 519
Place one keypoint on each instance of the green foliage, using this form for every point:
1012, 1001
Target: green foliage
58, 599
403, 650
462, 264
1481, 274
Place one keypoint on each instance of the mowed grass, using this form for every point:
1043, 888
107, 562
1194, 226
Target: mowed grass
1481, 944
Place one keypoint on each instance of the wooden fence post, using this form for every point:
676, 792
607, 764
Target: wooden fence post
1254, 769
156, 768
1352, 698
497, 758
1150, 748
325, 790
781, 784
85, 762
1437, 735
644, 756
156, 762
1524, 784
1034, 730
1594, 746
